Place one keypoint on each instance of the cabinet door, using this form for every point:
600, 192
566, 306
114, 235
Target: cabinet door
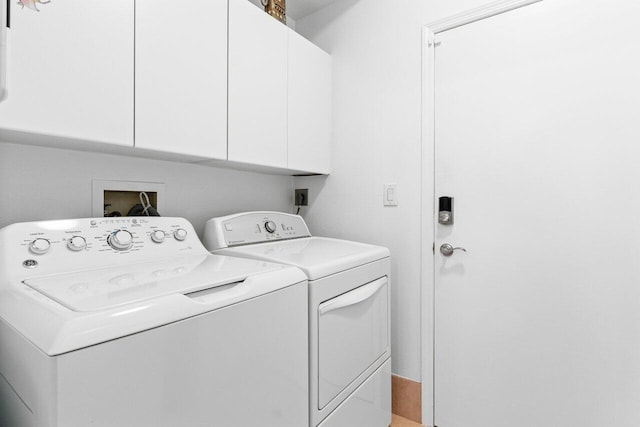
257, 86
3, 50
309, 106
181, 77
70, 70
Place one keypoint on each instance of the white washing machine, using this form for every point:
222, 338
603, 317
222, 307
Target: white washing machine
132, 322
350, 359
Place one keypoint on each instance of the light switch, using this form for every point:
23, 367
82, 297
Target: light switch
390, 195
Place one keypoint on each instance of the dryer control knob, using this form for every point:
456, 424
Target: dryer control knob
77, 243
40, 246
270, 226
157, 236
121, 240
180, 234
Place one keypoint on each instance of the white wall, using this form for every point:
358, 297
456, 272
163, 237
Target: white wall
45, 183
376, 51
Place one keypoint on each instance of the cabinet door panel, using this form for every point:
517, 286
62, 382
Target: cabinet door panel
3, 50
309, 106
257, 86
70, 70
181, 77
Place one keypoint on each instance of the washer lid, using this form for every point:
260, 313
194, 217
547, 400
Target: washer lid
316, 256
106, 288
67, 312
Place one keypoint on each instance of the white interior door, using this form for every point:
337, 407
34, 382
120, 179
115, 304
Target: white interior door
537, 138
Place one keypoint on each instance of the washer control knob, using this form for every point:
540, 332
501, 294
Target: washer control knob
157, 236
180, 234
270, 226
40, 246
121, 240
77, 243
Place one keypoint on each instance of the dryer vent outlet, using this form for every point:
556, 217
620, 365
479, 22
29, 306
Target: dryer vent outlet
301, 197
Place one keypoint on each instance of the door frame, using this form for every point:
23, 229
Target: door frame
427, 180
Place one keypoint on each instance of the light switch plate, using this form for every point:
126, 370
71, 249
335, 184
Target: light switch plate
390, 195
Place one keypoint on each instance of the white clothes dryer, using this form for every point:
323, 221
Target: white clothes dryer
350, 362
132, 322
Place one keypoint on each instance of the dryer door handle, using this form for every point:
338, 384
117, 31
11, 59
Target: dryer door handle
354, 297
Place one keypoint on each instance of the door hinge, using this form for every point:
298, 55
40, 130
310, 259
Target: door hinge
433, 249
433, 41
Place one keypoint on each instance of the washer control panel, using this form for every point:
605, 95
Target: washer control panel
253, 227
69, 245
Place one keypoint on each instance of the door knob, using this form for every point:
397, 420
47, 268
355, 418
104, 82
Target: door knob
447, 250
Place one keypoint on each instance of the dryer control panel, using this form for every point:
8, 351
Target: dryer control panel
48, 247
253, 227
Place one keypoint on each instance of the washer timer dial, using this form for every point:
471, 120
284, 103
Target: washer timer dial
121, 240
270, 226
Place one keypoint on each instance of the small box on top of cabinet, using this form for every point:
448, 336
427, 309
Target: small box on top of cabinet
277, 9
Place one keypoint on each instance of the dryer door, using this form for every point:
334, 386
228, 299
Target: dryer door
353, 333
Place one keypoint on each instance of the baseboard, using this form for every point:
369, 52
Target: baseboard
406, 398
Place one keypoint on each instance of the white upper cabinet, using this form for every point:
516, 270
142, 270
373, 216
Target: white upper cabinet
70, 70
3, 58
279, 94
257, 130
309, 106
210, 79
181, 77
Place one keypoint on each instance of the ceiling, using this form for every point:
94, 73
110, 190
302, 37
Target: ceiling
297, 9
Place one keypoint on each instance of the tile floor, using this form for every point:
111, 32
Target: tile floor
398, 421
